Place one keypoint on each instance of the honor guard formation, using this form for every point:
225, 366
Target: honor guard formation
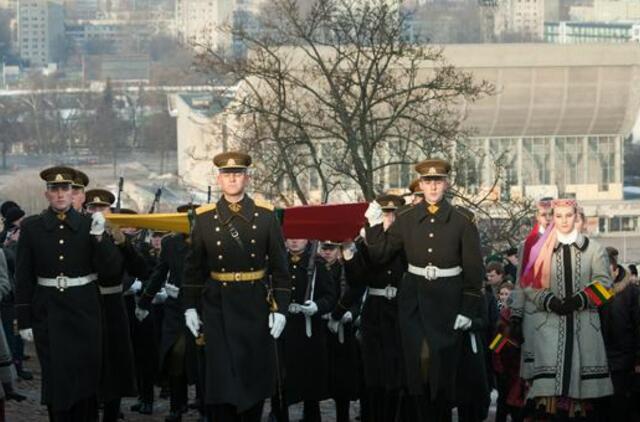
232, 322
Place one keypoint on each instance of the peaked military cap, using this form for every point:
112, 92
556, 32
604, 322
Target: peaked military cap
99, 197
187, 207
232, 161
329, 244
414, 187
58, 175
390, 202
433, 168
80, 180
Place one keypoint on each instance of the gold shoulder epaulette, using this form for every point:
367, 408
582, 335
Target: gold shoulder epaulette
264, 204
204, 208
466, 213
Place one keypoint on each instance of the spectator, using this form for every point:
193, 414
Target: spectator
511, 269
633, 273
504, 292
495, 276
621, 333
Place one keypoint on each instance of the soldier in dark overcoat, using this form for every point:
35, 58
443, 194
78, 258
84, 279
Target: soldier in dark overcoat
61, 254
440, 292
118, 378
380, 343
244, 295
175, 342
345, 375
304, 340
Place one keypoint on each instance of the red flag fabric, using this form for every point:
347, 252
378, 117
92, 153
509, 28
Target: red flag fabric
335, 222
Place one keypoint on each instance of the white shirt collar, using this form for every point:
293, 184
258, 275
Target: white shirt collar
568, 239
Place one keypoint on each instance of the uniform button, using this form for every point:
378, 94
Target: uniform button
251, 269
429, 250
293, 288
61, 241
253, 241
223, 270
430, 234
388, 271
217, 229
61, 226
433, 220
295, 266
254, 227
256, 214
219, 256
218, 243
61, 257
293, 277
224, 284
253, 255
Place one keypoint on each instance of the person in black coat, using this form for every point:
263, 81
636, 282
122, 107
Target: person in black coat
440, 292
380, 342
244, 296
176, 341
303, 341
620, 320
61, 254
345, 377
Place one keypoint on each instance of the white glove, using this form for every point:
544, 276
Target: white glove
97, 224
277, 322
192, 321
309, 308
462, 323
160, 297
348, 250
333, 325
26, 334
294, 308
346, 318
172, 290
374, 214
136, 286
141, 314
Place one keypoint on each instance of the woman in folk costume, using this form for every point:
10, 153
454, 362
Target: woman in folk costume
565, 280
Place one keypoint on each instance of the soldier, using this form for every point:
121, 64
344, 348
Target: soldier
227, 270
80, 183
344, 365
381, 348
118, 379
304, 341
414, 188
175, 345
61, 253
439, 294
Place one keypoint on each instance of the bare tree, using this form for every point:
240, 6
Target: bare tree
338, 95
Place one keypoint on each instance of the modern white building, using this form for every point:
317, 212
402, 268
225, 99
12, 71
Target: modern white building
591, 32
40, 31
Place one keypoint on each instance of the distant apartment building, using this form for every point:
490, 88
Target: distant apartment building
522, 17
81, 9
200, 22
40, 31
591, 32
118, 34
606, 11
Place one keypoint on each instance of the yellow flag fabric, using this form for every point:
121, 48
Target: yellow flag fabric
173, 222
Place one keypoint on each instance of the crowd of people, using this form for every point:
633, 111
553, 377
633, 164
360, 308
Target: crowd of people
408, 319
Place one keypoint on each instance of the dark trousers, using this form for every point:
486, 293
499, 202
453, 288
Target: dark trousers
421, 409
381, 405
145, 349
619, 406
229, 413
342, 409
83, 411
111, 411
15, 342
175, 364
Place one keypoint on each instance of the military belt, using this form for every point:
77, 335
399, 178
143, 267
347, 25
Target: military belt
63, 282
431, 272
111, 290
388, 292
238, 277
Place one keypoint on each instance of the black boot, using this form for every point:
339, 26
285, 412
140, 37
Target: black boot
174, 416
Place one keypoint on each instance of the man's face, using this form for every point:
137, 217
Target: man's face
329, 254
156, 241
388, 217
78, 198
513, 259
296, 245
59, 197
233, 183
434, 189
493, 278
543, 216
105, 209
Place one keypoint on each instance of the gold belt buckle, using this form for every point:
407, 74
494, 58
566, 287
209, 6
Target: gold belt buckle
237, 276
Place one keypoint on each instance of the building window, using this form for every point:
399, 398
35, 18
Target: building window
536, 156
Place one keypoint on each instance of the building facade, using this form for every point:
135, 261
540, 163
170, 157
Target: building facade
41, 31
591, 32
